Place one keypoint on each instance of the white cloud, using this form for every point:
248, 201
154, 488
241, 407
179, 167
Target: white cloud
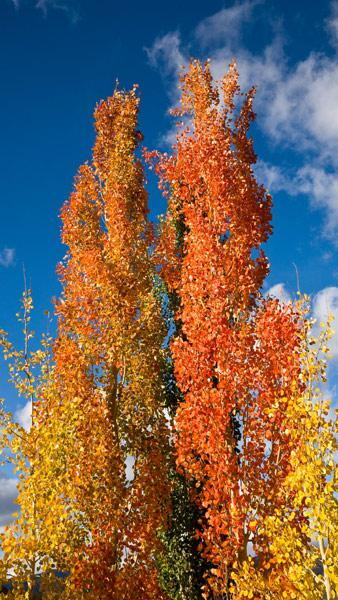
332, 23
296, 103
8, 494
169, 137
166, 55
300, 105
318, 183
225, 25
279, 291
65, 6
322, 188
166, 52
325, 303
23, 416
43, 5
271, 176
7, 256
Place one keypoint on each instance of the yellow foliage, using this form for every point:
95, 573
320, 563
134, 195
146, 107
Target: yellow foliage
297, 545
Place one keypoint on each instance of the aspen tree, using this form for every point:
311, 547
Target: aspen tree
103, 436
235, 352
109, 363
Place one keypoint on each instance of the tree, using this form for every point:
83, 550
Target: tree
236, 354
111, 331
29, 543
103, 435
300, 537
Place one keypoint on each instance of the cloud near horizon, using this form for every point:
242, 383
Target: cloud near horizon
296, 104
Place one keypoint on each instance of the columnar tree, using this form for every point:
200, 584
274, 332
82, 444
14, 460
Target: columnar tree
103, 435
236, 355
109, 359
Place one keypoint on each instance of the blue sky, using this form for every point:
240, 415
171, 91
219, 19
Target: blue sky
59, 57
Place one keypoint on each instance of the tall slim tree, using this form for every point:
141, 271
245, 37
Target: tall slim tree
110, 338
103, 435
235, 353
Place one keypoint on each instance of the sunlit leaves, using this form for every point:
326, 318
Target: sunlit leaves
109, 354
102, 403
239, 359
254, 437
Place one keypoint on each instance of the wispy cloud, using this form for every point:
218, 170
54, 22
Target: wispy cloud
296, 103
323, 304
66, 6
166, 55
319, 182
225, 26
332, 23
7, 257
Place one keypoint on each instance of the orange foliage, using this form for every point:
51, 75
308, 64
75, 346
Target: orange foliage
108, 364
237, 356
